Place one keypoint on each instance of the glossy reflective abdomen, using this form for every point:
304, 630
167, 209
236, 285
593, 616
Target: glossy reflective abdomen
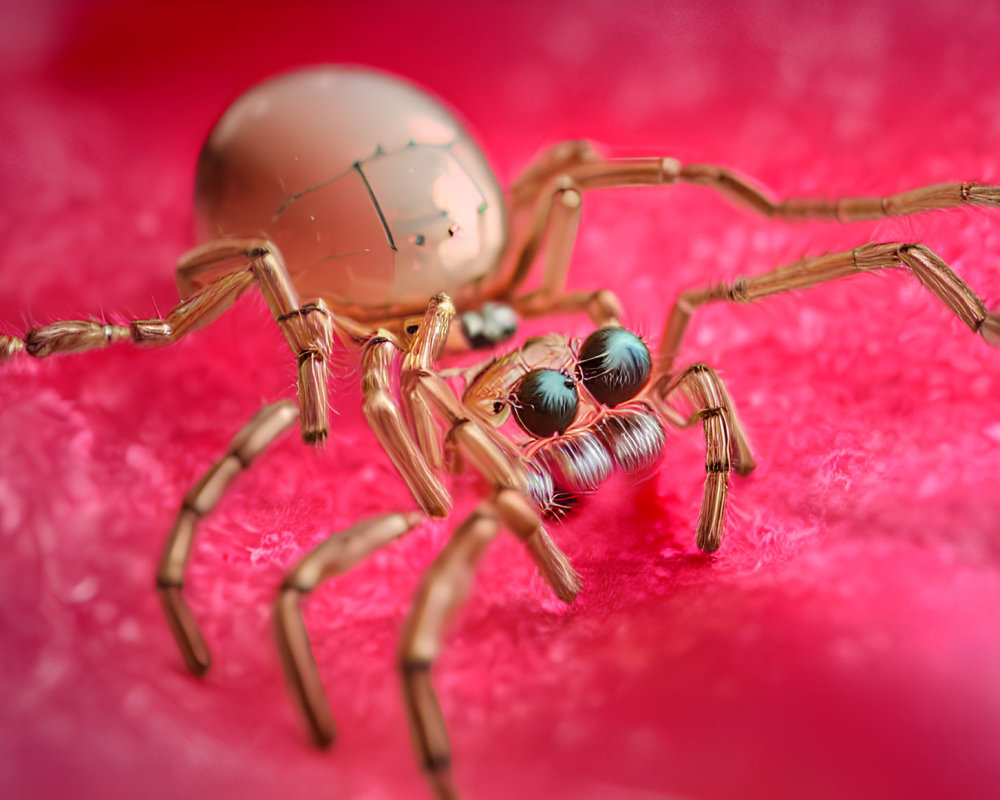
373, 191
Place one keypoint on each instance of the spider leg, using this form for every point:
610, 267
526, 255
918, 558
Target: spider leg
234, 265
444, 588
556, 218
499, 462
928, 267
596, 172
425, 347
417, 460
265, 426
333, 556
726, 445
386, 420
841, 209
549, 164
442, 591
556, 184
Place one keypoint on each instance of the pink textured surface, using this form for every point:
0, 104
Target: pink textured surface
843, 642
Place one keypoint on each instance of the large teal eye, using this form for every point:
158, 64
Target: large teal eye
614, 365
545, 402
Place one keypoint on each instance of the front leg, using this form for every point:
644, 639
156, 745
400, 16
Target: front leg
500, 463
726, 445
385, 417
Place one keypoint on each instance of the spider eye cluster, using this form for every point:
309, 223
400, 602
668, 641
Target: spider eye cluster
614, 365
545, 402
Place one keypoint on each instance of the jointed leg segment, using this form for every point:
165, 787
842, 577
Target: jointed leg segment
928, 267
334, 556
269, 423
443, 589
386, 420
556, 183
842, 209
726, 445
308, 328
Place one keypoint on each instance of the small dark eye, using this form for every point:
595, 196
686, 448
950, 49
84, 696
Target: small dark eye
545, 402
412, 329
614, 365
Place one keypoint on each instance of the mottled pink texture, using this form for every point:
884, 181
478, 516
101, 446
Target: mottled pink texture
843, 642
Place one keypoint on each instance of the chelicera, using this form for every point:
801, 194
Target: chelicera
363, 211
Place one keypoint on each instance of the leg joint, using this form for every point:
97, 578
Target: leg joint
308, 308
290, 584
438, 762
739, 292
258, 251
190, 503
414, 666
308, 354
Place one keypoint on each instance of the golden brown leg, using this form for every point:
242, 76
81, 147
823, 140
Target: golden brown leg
723, 435
556, 183
308, 328
500, 463
77, 336
548, 165
606, 173
386, 420
702, 388
333, 556
557, 220
556, 217
425, 348
842, 209
520, 517
443, 589
929, 269
603, 306
266, 425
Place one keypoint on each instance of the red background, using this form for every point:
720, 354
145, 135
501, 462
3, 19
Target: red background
843, 642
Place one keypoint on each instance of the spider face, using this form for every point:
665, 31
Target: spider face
583, 428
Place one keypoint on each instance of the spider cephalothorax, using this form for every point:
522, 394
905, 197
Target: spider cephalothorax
365, 213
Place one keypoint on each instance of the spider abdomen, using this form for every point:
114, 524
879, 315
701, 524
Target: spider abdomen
373, 191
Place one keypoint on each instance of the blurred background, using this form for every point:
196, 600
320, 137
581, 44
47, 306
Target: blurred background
842, 643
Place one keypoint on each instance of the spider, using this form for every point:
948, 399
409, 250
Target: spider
363, 211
